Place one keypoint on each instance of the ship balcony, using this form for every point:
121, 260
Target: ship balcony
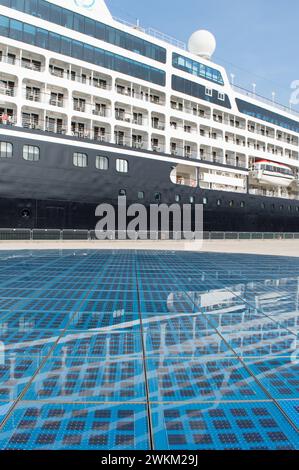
132, 90
80, 108
185, 127
56, 123
35, 97
101, 111
58, 102
184, 149
137, 120
211, 156
235, 140
158, 125
8, 84
8, 114
139, 140
36, 124
32, 62
188, 107
158, 143
101, 132
122, 137
7, 90
81, 129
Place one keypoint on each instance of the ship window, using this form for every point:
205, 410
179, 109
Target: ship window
209, 91
102, 163
80, 160
196, 68
141, 195
122, 166
31, 153
219, 202
242, 204
16, 30
263, 205
5, 150
157, 197
177, 198
221, 96
192, 199
122, 192
281, 208
231, 203
88, 26
205, 200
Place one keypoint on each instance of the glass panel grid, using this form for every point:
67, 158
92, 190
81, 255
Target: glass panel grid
78, 331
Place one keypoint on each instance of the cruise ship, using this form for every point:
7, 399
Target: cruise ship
93, 108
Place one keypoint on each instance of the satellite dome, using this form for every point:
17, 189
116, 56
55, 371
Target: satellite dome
202, 43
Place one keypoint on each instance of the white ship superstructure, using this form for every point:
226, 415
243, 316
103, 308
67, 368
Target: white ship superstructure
67, 68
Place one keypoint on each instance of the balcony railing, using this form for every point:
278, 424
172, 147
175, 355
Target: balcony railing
31, 65
56, 102
8, 91
101, 112
160, 126
81, 108
36, 97
140, 95
90, 81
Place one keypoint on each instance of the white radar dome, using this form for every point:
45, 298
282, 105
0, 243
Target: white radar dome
202, 43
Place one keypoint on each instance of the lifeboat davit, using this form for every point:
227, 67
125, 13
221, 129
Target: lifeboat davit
272, 173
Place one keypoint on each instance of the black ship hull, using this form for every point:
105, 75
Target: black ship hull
53, 193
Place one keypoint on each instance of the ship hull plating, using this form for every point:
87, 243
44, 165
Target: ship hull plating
52, 193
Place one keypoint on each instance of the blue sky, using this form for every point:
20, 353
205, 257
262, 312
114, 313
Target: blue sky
257, 40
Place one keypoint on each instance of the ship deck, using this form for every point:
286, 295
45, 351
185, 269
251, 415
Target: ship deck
119, 349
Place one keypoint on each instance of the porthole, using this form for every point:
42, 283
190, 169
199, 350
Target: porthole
157, 197
192, 199
141, 195
205, 200
177, 198
25, 213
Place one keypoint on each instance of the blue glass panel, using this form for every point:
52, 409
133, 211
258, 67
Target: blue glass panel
60, 44
196, 68
63, 17
266, 115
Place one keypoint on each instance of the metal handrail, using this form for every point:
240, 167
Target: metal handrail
14, 234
